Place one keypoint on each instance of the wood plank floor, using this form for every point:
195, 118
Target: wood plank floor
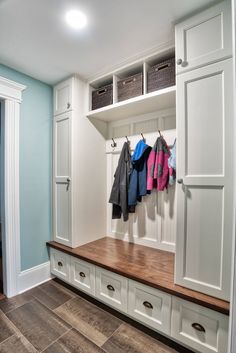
53, 319
146, 265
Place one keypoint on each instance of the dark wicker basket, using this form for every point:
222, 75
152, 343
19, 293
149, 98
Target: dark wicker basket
130, 87
102, 97
161, 75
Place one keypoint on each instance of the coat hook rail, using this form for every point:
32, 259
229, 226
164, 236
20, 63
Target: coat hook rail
143, 137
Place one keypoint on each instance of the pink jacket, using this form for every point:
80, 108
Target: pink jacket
157, 165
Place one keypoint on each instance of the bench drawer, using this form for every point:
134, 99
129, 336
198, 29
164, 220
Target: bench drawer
150, 306
60, 264
200, 328
83, 275
112, 289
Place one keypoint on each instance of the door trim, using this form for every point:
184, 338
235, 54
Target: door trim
11, 94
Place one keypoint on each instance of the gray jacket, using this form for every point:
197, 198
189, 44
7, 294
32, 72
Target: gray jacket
119, 192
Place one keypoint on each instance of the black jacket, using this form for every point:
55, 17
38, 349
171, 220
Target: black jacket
119, 192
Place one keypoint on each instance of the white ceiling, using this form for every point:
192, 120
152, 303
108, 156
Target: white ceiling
35, 39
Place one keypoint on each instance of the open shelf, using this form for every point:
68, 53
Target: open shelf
147, 103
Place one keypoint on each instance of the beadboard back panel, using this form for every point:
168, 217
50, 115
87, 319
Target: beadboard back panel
153, 223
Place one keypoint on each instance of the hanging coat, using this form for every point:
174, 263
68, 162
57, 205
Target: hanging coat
119, 192
157, 164
138, 177
172, 164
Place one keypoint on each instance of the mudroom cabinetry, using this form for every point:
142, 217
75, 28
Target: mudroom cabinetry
73, 143
188, 229
204, 154
204, 38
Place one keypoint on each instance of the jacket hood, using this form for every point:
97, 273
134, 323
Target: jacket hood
139, 150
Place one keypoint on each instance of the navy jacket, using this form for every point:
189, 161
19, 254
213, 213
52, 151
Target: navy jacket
138, 178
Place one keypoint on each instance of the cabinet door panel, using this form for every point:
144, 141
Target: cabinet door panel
63, 97
204, 38
62, 179
205, 197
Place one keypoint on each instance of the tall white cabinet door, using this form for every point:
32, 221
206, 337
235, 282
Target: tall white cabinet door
205, 179
62, 179
63, 98
204, 38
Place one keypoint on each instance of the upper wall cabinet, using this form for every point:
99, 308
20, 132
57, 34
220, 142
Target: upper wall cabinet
204, 38
63, 98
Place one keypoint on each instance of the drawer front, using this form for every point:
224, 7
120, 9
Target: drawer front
112, 289
149, 306
83, 275
60, 264
198, 327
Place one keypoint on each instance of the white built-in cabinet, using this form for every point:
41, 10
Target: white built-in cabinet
199, 328
78, 152
199, 226
204, 38
64, 96
205, 154
62, 126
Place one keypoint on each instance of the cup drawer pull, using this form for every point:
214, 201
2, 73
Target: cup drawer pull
82, 274
60, 264
148, 305
111, 288
198, 327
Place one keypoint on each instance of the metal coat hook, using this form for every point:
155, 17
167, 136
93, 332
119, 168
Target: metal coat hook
114, 144
127, 139
143, 137
159, 133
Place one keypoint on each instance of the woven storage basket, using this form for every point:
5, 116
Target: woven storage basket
161, 75
102, 97
130, 87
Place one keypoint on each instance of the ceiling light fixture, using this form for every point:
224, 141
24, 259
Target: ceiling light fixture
76, 19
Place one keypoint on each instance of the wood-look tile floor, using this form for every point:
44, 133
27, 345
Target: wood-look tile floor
52, 319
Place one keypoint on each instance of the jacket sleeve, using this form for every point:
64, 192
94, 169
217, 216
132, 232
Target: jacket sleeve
151, 170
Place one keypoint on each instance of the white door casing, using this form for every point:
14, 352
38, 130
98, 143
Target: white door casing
205, 197
11, 94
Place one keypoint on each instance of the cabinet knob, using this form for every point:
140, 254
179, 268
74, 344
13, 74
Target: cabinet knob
182, 63
111, 288
60, 264
198, 327
82, 274
179, 61
148, 305
68, 105
180, 181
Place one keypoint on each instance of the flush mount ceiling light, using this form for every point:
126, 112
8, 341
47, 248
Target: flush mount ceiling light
76, 19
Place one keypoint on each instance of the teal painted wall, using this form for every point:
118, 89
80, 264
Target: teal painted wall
35, 167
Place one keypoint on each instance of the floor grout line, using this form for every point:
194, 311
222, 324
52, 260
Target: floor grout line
56, 339
112, 334
19, 306
6, 339
46, 306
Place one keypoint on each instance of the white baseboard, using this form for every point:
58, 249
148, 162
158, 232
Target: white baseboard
33, 277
